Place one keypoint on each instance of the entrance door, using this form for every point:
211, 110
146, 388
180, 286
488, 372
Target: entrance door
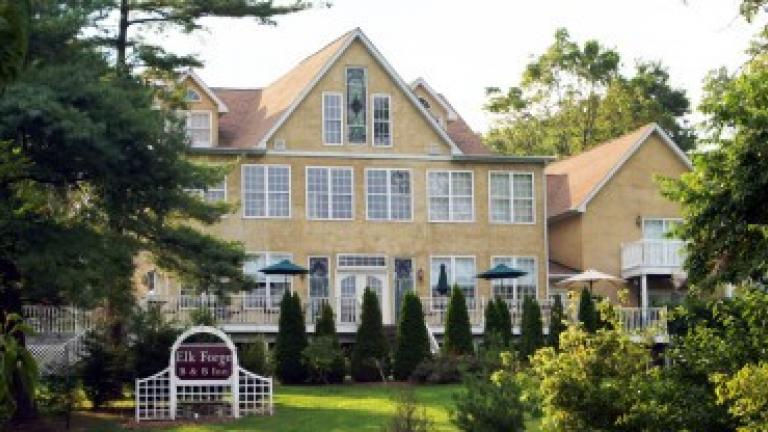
403, 282
351, 287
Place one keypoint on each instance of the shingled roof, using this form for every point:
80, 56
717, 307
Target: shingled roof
572, 182
255, 113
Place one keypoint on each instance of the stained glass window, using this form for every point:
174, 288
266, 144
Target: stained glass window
356, 105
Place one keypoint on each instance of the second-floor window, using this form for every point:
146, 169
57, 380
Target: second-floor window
329, 193
659, 228
356, 105
198, 127
382, 122
332, 109
388, 194
450, 196
266, 191
511, 197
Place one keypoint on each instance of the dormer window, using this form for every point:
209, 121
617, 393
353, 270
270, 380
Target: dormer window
424, 103
199, 128
192, 96
356, 105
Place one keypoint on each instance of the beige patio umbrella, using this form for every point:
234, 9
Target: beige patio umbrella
589, 277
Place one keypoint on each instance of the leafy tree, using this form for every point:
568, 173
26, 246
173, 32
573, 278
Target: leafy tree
588, 311
573, 96
458, 332
18, 370
326, 327
531, 337
291, 341
723, 197
492, 403
745, 395
370, 353
412, 340
556, 323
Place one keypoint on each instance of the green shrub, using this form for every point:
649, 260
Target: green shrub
326, 327
104, 368
202, 316
505, 322
458, 332
588, 311
445, 369
556, 323
492, 333
324, 360
151, 342
58, 396
409, 416
531, 337
492, 403
291, 341
370, 353
254, 356
412, 339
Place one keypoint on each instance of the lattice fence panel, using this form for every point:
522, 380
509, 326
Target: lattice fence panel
255, 393
153, 397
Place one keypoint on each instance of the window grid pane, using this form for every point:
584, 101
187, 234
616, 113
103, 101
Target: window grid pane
460, 272
199, 129
388, 194
329, 193
381, 121
522, 185
450, 196
332, 116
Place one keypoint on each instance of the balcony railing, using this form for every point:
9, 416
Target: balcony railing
58, 320
436, 310
638, 320
653, 254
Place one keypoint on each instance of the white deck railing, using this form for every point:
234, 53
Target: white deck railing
653, 253
58, 320
635, 320
436, 310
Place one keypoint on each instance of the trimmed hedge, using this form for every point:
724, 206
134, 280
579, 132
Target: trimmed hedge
370, 353
532, 337
588, 312
556, 323
458, 333
326, 327
291, 342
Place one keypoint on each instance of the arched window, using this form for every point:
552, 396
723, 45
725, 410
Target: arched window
192, 95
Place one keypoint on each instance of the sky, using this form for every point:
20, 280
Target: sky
462, 47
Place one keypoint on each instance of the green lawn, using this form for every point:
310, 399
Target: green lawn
336, 408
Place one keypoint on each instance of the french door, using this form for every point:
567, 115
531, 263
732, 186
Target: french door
352, 285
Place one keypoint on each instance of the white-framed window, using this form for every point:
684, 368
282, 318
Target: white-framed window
330, 193
192, 95
357, 96
460, 271
269, 289
511, 197
198, 127
319, 277
382, 120
388, 194
333, 103
213, 193
518, 288
451, 196
659, 228
358, 261
266, 191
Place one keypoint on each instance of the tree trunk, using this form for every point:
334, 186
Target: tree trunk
122, 36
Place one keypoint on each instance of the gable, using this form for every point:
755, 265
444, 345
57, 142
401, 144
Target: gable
413, 131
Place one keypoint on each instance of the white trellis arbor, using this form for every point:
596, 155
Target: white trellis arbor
214, 381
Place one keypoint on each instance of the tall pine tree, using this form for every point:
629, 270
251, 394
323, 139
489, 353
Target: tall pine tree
588, 312
505, 321
492, 336
531, 337
412, 340
458, 331
556, 323
291, 341
326, 327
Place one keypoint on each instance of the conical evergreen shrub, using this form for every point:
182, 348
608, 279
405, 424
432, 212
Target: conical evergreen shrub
370, 353
505, 321
531, 337
492, 335
588, 311
556, 323
412, 340
326, 327
458, 333
291, 341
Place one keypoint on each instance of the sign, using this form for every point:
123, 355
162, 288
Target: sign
203, 362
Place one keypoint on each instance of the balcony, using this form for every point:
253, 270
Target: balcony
660, 257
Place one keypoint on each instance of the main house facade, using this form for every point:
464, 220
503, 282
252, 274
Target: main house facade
343, 168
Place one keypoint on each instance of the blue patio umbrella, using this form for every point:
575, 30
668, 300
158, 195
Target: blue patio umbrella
285, 268
442, 282
502, 271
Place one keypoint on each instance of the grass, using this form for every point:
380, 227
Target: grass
335, 408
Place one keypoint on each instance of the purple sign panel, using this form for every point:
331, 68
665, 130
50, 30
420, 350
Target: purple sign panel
203, 362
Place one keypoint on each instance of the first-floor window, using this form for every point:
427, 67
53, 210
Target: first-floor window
318, 277
388, 194
460, 272
329, 193
269, 289
521, 287
266, 191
